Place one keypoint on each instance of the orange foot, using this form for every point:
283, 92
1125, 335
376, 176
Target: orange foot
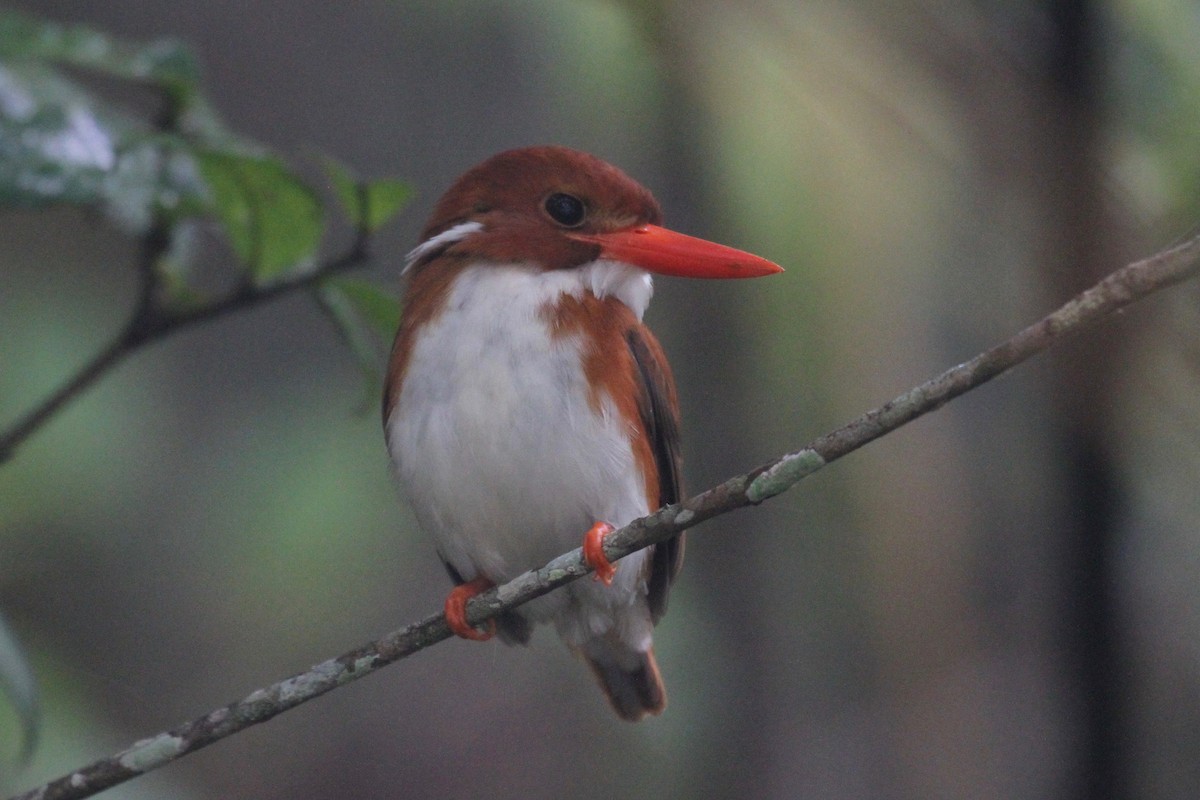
456, 610
593, 552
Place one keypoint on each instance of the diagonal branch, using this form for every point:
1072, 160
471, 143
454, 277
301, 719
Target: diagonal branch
1115, 292
151, 320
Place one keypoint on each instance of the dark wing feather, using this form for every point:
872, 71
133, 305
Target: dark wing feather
660, 416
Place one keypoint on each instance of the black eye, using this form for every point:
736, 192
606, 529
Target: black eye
565, 209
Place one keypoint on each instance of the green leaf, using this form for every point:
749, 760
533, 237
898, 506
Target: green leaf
18, 683
349, 304
385, 198
345, 187
272, 219
54, 146
174, 268
368, 205
164, 62
378, 308
61, 143
58, 144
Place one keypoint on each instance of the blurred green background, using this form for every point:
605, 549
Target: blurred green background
998, 601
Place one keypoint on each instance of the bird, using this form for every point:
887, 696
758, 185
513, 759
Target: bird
526, 406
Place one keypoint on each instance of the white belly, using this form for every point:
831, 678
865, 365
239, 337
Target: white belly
502, 457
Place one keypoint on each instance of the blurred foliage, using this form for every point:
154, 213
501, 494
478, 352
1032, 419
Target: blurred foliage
272, 219
368, 205
20, 687
1155, 74
63, 141
365, 317
211, 518
166, 63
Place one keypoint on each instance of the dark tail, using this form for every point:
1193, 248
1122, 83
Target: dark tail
629, 678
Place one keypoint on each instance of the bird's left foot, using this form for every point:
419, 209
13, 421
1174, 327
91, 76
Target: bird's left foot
456, 610
593, 552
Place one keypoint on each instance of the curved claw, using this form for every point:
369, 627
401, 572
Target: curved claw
456, 610
593, 552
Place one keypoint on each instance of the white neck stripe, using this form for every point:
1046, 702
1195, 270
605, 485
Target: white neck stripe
447, 237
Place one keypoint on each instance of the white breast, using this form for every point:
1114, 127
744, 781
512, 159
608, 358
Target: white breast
499, 451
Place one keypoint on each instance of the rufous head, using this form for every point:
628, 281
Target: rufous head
558, 208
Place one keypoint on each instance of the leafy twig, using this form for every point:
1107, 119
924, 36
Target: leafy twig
152, 320
1118, 290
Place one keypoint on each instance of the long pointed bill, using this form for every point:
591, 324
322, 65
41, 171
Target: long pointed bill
666, 252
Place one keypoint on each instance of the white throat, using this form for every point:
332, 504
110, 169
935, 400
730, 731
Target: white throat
630, 285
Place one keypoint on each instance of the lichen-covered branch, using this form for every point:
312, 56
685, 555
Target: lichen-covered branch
1115, 292
1118, 290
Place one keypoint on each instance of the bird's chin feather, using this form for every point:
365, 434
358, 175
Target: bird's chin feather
632, 286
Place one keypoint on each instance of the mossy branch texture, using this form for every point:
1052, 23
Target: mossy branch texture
1115, 292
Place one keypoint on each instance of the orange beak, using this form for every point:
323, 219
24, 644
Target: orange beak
666, 252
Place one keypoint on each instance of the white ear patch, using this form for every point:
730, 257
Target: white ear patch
447, 237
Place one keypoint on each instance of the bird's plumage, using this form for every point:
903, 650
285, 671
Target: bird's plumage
526, 400
498, 381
